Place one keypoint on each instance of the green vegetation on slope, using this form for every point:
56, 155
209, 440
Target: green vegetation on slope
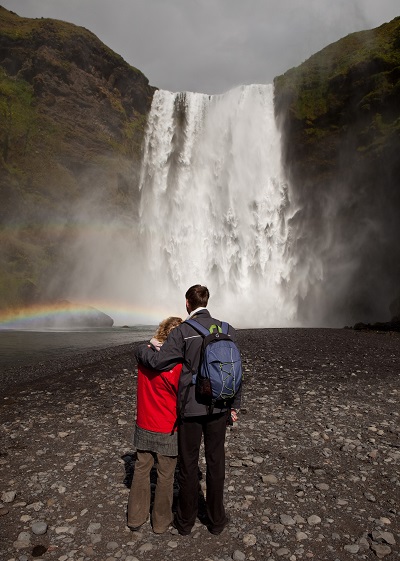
339, 114
354, 81
72, 119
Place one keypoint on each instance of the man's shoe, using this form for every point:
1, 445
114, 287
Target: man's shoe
219, 530
175, 530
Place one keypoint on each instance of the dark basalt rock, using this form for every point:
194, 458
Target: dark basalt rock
339, 114
392, 325
70, 316
63, 315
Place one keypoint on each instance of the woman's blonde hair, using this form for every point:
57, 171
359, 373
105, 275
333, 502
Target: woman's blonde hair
165, 327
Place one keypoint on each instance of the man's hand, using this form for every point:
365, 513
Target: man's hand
234, 415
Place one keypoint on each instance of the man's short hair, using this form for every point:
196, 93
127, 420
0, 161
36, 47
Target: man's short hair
197, 296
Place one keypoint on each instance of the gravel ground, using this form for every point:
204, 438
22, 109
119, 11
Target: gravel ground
312, 464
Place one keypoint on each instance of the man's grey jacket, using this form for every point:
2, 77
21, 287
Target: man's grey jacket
183, 345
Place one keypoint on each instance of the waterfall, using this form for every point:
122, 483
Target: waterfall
214, 205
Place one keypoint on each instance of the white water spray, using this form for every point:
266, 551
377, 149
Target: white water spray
214, 205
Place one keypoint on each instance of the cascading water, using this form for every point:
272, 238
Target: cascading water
214, 205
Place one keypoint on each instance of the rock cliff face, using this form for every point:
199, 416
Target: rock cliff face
72, 117
339, 113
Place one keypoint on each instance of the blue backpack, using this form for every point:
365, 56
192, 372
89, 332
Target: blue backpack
219, 376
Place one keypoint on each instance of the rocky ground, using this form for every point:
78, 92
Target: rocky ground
312, 464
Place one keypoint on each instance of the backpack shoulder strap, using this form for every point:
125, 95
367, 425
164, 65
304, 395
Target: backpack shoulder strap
225, 327
198, 327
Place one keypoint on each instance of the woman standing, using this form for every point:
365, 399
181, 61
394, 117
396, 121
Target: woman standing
155, 439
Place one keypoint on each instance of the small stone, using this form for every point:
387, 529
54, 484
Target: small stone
370, 497
35, 506
24, 537
8, 496
300, 536
270, 478
287, 520
282, 551
95, 538
249, 539
112, 545
63, 434
387, 537
4, 511
40, 550
20, 545
381, 550
258, 460
172, 544
238, 555
342, 502
23, 541
39, 528
145, 547
363, 543
322, 486
61, 530
93, 527
352, 548
313, 520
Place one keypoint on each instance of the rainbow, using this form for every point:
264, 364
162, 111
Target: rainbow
122, 313
76, 229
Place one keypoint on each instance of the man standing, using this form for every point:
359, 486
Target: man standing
183, 345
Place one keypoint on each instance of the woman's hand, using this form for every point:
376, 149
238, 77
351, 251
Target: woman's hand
234, 415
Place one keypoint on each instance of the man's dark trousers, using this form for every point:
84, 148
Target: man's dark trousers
190, 431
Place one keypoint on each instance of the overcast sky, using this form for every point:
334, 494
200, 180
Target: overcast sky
211, 46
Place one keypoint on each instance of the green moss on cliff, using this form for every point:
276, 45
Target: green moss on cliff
17, 114
339, 114
351, 85
368, 59
72, 118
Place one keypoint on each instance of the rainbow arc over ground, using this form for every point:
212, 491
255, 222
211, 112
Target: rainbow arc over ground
27, 317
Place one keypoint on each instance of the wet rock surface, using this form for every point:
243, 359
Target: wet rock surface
313, 464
